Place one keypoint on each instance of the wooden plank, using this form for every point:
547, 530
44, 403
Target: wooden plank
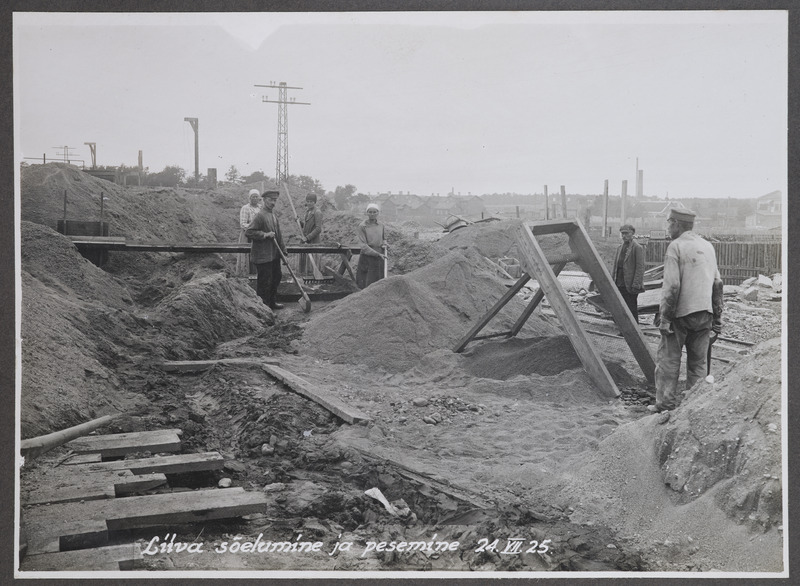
535, 300
346, 263
302, 387
450, 489
494, 335
198, 365
145, 511
76, 483
579, 242
174, 464
507, 296
119, 444
552, 227
121, 244
534, 261
110, 558
339, 278
83, 459
52, 535
139, 483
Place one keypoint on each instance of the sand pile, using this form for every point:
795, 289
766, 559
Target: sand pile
68, 350
53, 260
396, 322
210, 310
139, 213
492, 239
546, 356
83, 336
498, 239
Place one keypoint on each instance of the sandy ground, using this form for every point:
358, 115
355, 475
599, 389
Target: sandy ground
507, 439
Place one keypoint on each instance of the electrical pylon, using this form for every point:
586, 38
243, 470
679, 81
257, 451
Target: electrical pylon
282, 159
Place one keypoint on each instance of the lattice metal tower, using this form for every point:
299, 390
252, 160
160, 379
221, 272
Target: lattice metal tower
282, 159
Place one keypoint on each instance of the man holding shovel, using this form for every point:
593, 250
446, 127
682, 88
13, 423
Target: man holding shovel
265, 250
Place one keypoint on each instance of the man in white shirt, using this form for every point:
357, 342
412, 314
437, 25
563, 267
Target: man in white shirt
691, 307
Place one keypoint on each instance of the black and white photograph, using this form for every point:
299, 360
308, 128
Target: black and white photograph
401, 294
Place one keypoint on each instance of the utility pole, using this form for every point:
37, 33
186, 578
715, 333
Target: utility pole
282, 159
194, 123
66, 152
624, 201
546, 204
605, 209
563, 201
92, 148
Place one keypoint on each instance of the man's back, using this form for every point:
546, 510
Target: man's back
691, 264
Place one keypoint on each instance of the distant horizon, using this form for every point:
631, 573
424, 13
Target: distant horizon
419, 101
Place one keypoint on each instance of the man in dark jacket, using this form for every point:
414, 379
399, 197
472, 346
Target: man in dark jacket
628, 273
265, 234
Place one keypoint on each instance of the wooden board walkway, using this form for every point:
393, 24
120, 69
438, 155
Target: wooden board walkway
112, 558
333, 404
65, 526
120, 444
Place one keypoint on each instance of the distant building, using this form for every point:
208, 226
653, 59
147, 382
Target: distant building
769, 212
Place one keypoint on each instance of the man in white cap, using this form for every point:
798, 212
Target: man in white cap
691, 307
246, 216
265, 233
373, 242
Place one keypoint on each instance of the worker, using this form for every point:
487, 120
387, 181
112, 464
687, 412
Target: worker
265, 233
312, 230
246, 214
628, 270
690, 309
372, 236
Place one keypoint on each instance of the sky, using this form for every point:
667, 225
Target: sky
476, 103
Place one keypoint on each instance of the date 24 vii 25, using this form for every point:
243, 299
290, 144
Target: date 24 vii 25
514, 546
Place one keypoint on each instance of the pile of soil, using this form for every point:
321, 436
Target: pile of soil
497, 240
395, 322
702, 491
84, 336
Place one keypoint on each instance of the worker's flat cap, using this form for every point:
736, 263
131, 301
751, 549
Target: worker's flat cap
682, 215
271, 194
627, 228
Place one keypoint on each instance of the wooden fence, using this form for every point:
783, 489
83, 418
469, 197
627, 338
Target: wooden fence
737, 261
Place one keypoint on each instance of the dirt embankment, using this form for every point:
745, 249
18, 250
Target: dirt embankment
84, 335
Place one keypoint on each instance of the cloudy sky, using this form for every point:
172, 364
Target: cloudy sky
421, 102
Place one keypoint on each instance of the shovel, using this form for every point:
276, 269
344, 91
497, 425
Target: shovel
304, 301
714, 338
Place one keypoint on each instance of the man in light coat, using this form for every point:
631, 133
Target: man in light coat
690, 309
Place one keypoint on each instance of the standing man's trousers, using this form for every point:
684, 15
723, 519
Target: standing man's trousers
269, 277
692, 331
